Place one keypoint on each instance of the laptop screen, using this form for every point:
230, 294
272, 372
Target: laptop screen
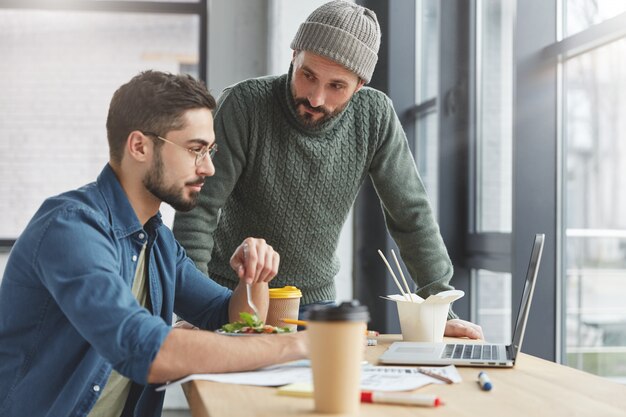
527, 294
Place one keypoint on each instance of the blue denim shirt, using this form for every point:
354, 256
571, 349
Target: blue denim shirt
67, 314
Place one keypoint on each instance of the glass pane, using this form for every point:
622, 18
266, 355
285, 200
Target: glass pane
60, 70
581, 14
4, 257
494, 116
427, 156
426, 137
494, 304
594, 207
427, 49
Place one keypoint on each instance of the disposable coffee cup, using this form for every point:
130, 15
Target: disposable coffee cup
424, 320
284, 303
336, 347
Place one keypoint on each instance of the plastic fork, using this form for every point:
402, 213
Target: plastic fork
250, 302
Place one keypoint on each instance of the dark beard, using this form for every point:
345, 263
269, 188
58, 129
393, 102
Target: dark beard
153, 182
307, 119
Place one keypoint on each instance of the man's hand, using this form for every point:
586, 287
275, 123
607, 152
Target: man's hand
255, 261
462, 328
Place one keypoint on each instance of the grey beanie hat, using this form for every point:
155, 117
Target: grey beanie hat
345, 32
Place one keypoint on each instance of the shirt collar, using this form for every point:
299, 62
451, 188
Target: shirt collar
121, 214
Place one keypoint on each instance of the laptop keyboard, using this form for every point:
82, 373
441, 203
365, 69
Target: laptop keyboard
470, 351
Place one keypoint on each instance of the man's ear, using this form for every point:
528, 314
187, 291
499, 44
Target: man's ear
359, 85
138, 147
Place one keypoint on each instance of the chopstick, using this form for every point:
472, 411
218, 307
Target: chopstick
393, 275
408, 290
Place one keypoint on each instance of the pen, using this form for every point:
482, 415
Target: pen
484, 382
435, 375
294, 321
401, 398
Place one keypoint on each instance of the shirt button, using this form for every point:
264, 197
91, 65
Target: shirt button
96, 388
134, 258
141, 236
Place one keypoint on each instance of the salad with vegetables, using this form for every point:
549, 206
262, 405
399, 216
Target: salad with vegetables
250, 323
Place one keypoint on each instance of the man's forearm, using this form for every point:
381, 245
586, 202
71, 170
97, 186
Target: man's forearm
186, 352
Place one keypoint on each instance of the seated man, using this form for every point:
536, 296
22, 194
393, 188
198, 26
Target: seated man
91, 285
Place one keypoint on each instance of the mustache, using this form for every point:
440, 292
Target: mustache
198, 181
307, 105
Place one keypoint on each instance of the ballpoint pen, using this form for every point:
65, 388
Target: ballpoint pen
484, 382
435, 375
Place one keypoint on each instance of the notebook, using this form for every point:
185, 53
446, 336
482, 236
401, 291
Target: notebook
473, 354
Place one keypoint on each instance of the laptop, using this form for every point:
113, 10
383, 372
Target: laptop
473, 354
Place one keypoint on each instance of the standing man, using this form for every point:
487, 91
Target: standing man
90, 287
297, 149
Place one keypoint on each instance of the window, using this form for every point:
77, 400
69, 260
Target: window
490, 222
427, 65
569, 112
594, 276
494, 102
582, 14
492, 295
59, 71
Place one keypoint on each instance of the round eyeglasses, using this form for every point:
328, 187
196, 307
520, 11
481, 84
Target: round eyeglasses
209, 150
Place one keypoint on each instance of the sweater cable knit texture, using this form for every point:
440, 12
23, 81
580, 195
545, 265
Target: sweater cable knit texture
294, 186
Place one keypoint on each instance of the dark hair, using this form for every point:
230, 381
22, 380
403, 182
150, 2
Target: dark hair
152, 101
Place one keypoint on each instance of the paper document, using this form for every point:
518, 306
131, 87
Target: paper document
272, 376
403, 378
373, 378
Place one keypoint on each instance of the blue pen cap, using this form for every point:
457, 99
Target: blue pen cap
484, 382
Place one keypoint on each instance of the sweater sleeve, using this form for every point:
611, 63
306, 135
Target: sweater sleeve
406, 207
194, 229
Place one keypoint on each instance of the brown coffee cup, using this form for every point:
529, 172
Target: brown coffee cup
284, 303
336, 347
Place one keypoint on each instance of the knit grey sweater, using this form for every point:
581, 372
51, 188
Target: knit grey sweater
294, 186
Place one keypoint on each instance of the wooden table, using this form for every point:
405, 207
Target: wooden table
535, 387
